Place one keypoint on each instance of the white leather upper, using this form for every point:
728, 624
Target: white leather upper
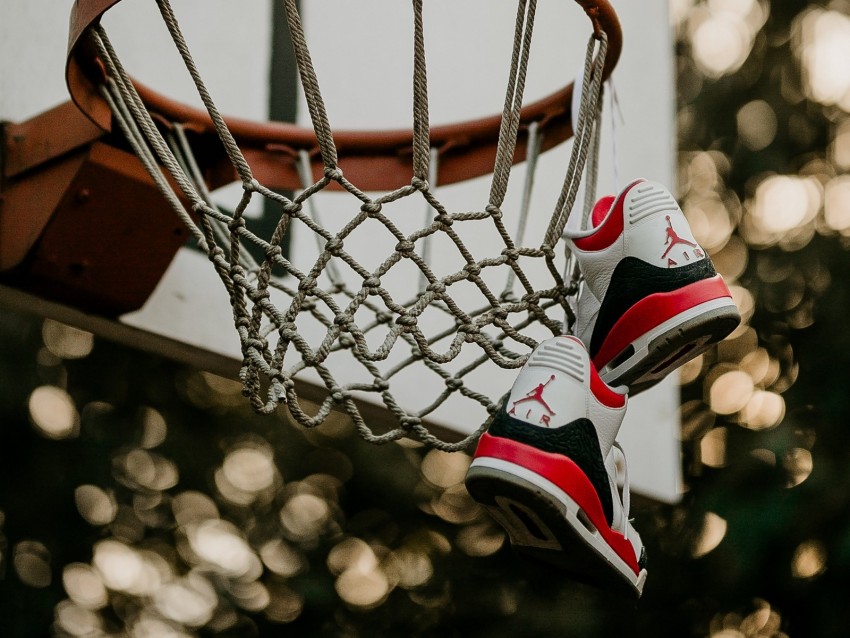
562, 366
655, 231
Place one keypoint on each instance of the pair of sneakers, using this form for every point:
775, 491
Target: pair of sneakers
546, 468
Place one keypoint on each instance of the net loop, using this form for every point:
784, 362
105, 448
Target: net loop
586, 130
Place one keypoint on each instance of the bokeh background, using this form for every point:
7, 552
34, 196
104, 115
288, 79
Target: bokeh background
140, 498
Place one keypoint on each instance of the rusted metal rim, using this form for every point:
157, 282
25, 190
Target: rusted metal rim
378, 159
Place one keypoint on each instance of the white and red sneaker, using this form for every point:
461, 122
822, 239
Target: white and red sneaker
651, 298
544, 469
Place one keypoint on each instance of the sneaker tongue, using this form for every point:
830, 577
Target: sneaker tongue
601, 209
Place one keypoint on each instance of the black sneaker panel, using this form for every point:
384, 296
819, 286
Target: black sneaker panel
632, 280
577, 441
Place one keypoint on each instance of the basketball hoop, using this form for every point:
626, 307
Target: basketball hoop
374, 160
298, 320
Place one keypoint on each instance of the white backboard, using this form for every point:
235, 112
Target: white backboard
362, 52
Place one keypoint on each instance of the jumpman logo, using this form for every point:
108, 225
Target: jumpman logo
536, 396
673, 239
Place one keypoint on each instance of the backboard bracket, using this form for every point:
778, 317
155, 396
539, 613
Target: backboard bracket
57, 203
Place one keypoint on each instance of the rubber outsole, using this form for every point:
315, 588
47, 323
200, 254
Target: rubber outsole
547, 530
670, 349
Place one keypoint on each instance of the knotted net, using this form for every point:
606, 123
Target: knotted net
431, 313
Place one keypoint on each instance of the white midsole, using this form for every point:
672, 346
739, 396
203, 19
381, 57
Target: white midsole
641, 344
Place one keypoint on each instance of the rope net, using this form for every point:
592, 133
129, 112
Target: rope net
428, 315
